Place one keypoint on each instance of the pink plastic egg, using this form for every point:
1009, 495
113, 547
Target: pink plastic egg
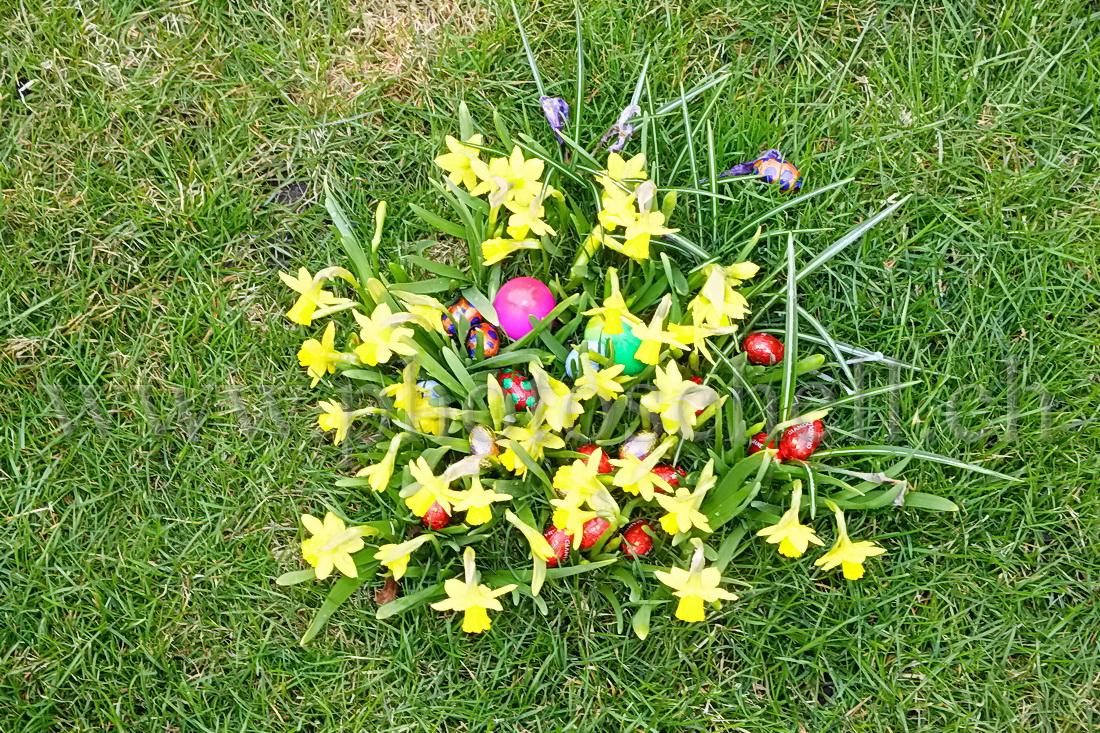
519, 298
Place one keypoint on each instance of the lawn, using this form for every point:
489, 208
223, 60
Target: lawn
158, 166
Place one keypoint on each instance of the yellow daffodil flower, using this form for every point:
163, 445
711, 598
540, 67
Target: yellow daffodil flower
717, 303
614, 311
695, 335
849, 555
540, 548
653, 335
557, 404
594, 241
520, 175
477, 502
636, 476
429, 489
677, 400
683, 508
396, 557
313, 301
535, 438
571, 517
604, 383
620, 170
695, 586
495, 250
646, 223
581, 477
415, 401
332, 545
381, 472
457, 161
425, 310
792, 536
382, 335
475, 599
320, 357
335, 417
528, 218
616, 210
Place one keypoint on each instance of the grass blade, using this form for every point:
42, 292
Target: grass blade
790, 337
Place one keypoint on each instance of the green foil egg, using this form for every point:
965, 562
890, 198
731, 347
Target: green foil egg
624, 344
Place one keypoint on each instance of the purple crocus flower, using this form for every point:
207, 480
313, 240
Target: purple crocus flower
622, 128
557, 114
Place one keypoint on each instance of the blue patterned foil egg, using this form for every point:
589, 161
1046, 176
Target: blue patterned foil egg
572, 362
772, 169
486, 331
429, 389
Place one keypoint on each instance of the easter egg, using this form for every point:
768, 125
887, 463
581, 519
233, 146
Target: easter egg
605, 461
636, 540
621, 346
671, 475
559, 541
639, 445
756, 443
800, 441
436, 517
763, 349
520, 388
483, 443
459, 309
772, 169
518, 299
573, 368
486, 332
593, 530
430, 389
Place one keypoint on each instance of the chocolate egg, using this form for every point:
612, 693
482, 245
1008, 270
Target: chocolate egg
621, 346
560, 542
486, 332
594, 529
639, 445
436, 517
670, 474
459, 309
518, 300
772, 169
430, 389
605, 460
756, 443
483, 443
800, 441
763, 349
637, 541
573, 368
520, 388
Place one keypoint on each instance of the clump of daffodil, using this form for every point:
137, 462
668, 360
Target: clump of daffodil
695, 586
614, 311
718, 304
475, 599
496, 249
635, 476
332, 545
695, 335
313, 300
382, 335
677, 400
334, 417
653, 335
603, 383
511, 179
683, 508
849, 555
789, 533
424, 309
416, 402
320, 357
647, 223
380, 473
534, 438
457, 161
396, 556
477, 502
557, 404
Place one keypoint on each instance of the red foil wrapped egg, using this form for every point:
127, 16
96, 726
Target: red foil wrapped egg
763, 349
559, 540
800, 441
605, 461
487, 332
594, 529
436, 517
756, 443
636, 540
520, 388
459, 309
671, 475
697, 380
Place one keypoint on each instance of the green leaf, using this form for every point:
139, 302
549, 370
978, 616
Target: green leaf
860, 451
437, 372
341, 591
348, 240
639, 622
437, 221
407, 603
920, 500
729, 548
454, 361
436, 268
484, 306
296, 576
790, 337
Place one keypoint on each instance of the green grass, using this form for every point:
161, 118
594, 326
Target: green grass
145, 507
